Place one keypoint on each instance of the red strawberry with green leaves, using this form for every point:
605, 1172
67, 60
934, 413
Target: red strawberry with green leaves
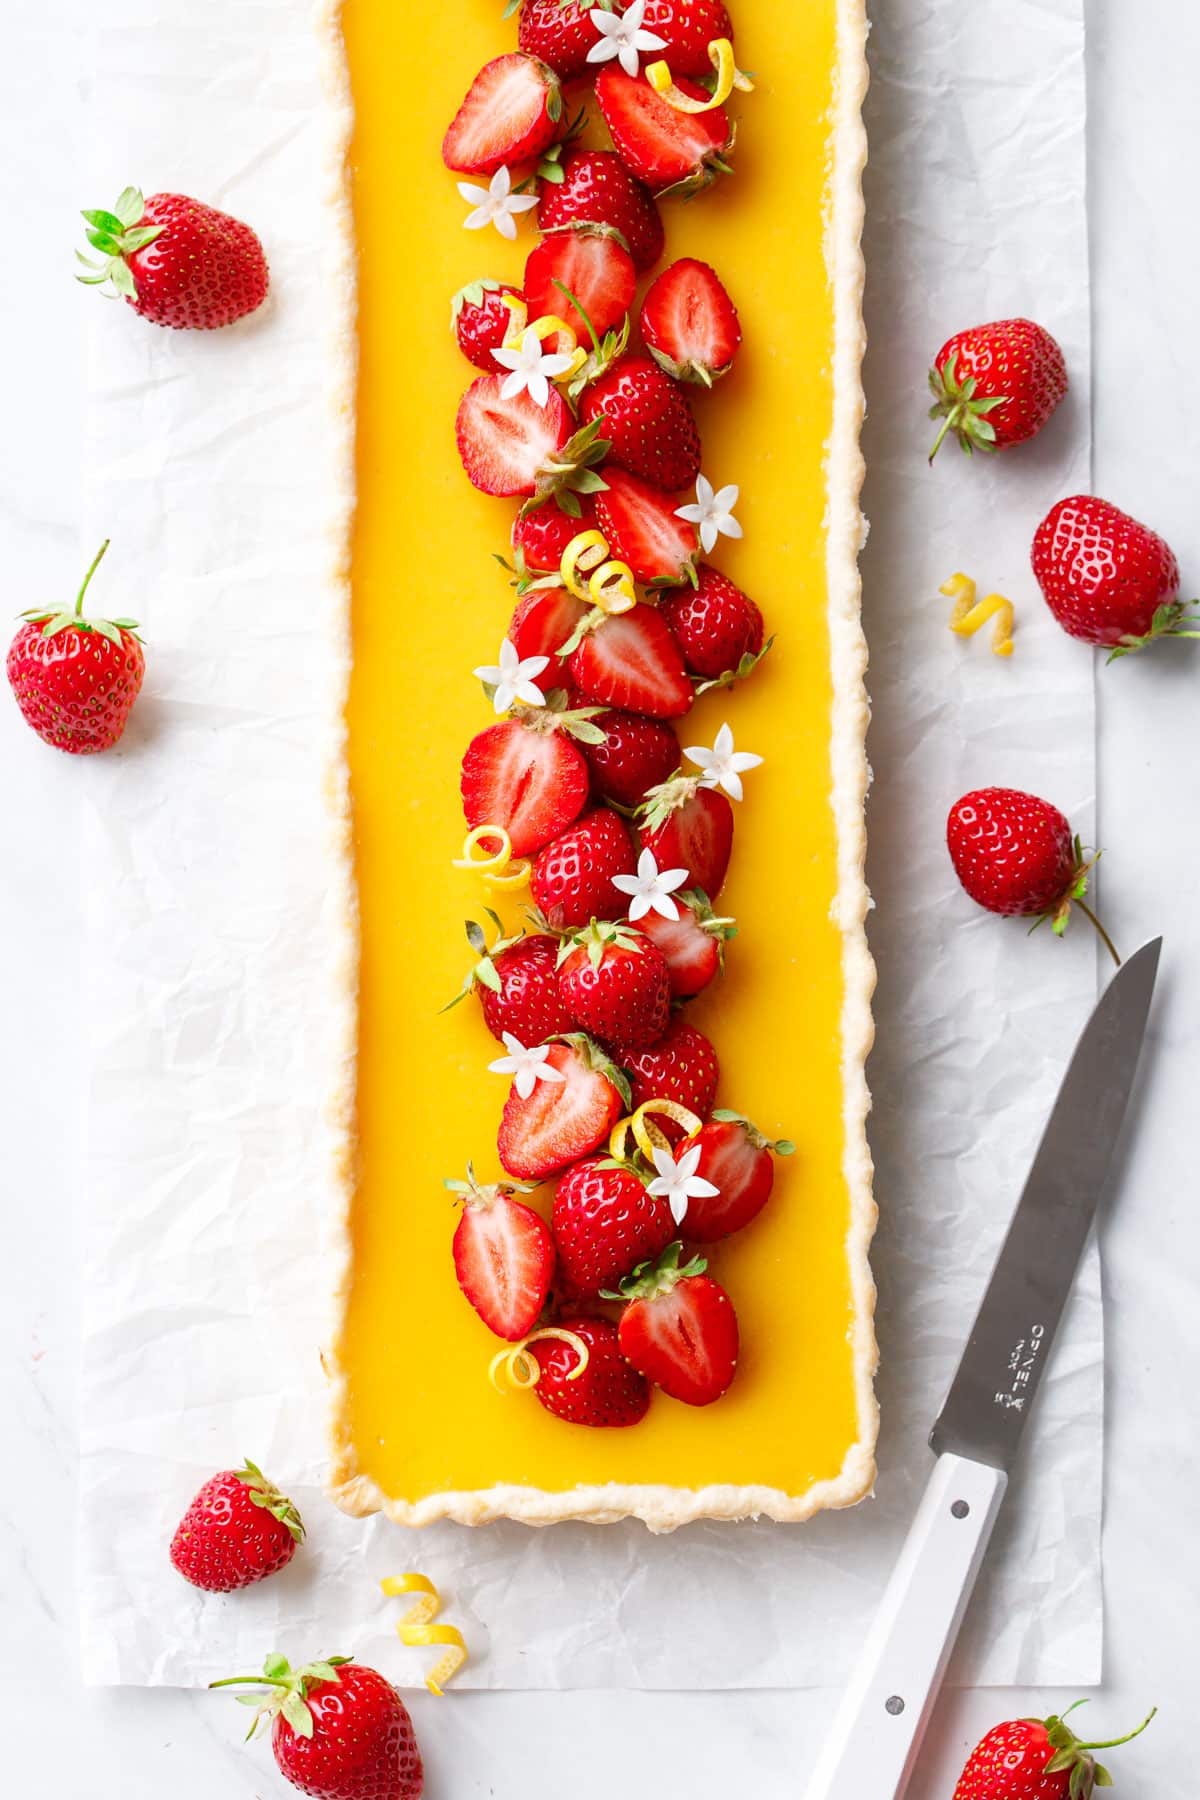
596, 192
339, 1730
503, 1255
1036, 1759
693, 944
689, 323
637, 754
679, 1328
647, 421
738, 1161
681, 1066
643, 529
607, 1393
605, 1222
573, 876
585, 278
689, 826
540, 538
543, 621
1017, 855
687, 28
514, 446
526, 776
559, 32
560, 1121
516, 981
631, 662
718, 628
1108, 579
238, 1530
670, 151
177, 261
74, 678
481, 318
512, 111
996, 385
614, 982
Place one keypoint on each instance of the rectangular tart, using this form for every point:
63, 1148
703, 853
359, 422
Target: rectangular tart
418, 1431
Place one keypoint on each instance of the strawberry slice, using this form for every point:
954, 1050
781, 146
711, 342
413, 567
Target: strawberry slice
505, 444
693, 944
608, 1392
594, 268
631, 661
526, 776
503, 1257
666, 149
679, 1328
690, 827
542, 623
561, 1121
689, 323
512, 112
640, 524
736, 1159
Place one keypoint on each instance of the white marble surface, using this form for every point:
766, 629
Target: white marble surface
1144, 139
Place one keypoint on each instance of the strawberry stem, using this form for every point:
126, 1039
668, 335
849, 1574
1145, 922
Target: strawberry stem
1112, 1743
1087, 912
92, 570
580, 308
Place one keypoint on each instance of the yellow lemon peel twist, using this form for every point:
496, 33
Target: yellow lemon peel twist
646, 1134
497, 867
416, 1627
568, 344
521, 1371
970, 615
609, 585
729, 76
518, 321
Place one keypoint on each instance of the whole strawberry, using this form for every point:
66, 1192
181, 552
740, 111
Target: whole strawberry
597, 192
718, 628
76, 679
647, 421
1016, 855
682, 1066
996, 385
573, 875
1036, 1759
616, 985
481, 318
608, 1392
177, 262
560, 32
605, 1222
517, 984
687, 28
239, 1529
637, 754
1107, 579
340, 1731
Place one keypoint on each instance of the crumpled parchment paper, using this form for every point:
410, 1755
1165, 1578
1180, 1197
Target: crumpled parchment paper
204, 849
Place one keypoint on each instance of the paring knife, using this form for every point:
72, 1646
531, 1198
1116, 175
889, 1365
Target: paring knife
872, 1750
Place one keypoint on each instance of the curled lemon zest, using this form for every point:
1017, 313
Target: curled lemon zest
729, 76
646, 1134
970, 615
611, 588
518, 321
416, 1627
608, 585
568, 343
521, 1371
499, 869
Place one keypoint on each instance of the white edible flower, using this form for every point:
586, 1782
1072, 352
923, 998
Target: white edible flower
527, 1067
495, 204
651, 888
723, 766
622, 36
712, 513
514, 679
678, 1182
531, 367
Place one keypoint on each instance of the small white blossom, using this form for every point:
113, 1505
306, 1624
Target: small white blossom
495, 204
723, 766
622, 37
514, 679
677, 1181
712, 513
530, 367
651, 888
527, 1067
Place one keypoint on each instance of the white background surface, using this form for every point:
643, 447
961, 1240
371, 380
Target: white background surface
137, 1744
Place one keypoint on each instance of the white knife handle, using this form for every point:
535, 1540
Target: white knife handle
876, 1736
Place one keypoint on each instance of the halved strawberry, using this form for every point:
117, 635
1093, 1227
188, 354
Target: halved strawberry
718, 628
687, 28
681, 1066
573, 875
637, 754
608, 1392
630, 661
527, 776
503, 1257
542, 536
666, 149
693, 944
561, 1121
598, 191
640, 524
647, 421
736, 1159
679, 1328
605, 1222
481, 319
515, 446
614, 982
689, 323
690, 827
542, 623
517, 984
511, 113
560, 32
594, 269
